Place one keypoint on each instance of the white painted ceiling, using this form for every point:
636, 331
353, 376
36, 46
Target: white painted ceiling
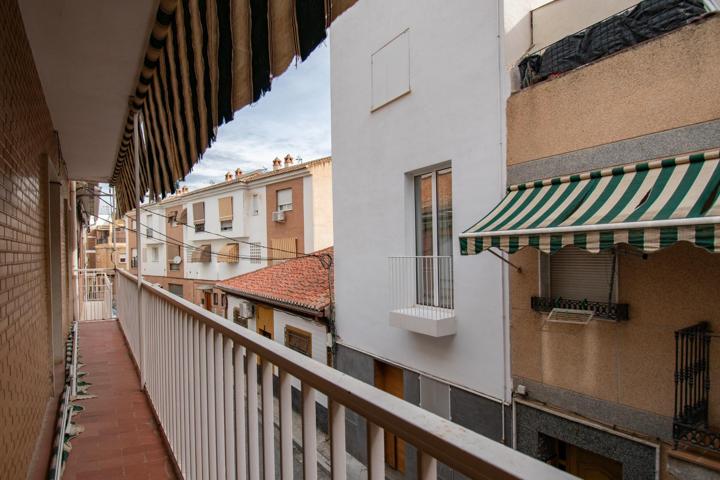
88, 54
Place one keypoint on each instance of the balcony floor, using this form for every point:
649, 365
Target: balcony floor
121, 438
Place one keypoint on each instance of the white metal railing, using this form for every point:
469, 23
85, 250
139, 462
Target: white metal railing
194, 367
96, 294
422, 286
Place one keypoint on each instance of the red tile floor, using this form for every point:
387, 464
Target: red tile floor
121, 439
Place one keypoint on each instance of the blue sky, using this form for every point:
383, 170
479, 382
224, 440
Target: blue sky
294, 118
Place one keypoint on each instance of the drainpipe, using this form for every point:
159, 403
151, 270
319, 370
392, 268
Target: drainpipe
504, 272
75, 253
138, 237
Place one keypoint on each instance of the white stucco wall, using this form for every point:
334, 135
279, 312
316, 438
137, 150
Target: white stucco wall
452, 115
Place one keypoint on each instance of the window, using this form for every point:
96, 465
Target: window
284, 200
199, 227
223, 300
390, 71
243, 322
176, 289
149, 225
298, 340
123, 259
255, 204
434, 238
575, 274
154, 254
215, 298
255, 253
226, 225
199, 216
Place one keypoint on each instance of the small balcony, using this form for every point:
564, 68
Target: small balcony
220, 397
422, 295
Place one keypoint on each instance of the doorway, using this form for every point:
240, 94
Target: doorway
582, 463
265, 324
390, 379
208, 299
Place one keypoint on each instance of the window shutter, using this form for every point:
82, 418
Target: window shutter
225, 206
576, 274
198, 212
283, 248
229, 253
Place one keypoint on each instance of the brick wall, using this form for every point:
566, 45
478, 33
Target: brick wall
26, 133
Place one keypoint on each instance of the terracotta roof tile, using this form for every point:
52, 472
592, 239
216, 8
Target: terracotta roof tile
301, 282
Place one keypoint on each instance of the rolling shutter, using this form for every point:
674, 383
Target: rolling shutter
576, 274
198, 212
225, 206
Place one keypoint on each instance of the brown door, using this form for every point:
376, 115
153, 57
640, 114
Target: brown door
265, 324
591, 466
208, 300
390, 379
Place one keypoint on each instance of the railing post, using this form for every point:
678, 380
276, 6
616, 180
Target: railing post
138, 237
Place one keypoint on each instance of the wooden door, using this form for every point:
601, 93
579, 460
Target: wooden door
265, 325
591, 466
390, 379
208, 300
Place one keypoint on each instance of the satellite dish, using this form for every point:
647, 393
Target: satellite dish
177, 259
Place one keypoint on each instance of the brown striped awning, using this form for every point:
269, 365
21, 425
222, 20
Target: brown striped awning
205, 60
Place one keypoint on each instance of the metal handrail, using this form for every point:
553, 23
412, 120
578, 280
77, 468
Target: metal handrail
460, 448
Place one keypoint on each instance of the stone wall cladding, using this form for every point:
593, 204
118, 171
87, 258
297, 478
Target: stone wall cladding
26, 133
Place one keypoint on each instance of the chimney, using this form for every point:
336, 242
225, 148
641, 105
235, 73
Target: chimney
228, 176
288, 160
276, 164
238, 173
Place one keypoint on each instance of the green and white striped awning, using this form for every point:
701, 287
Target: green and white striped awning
649, 205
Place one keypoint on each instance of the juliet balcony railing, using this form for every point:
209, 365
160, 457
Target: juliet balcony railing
422, 294
210, 383
692, 388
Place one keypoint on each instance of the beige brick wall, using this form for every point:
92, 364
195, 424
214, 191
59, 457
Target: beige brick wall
26, 134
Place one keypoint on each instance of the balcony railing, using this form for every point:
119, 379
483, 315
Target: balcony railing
692, 388
199, 372
96, 294
422, 294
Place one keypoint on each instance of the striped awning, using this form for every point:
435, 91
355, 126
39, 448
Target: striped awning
649, 205
205, 60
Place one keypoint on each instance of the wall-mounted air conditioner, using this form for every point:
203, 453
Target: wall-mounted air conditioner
247, 310
278, 217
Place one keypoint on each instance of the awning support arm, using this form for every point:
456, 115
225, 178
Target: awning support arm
518, 269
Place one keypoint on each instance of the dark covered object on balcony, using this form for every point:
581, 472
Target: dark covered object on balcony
646, 20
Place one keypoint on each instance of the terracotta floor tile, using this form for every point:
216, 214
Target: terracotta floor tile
121, 439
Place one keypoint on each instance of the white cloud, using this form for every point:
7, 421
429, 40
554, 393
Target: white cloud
294, 117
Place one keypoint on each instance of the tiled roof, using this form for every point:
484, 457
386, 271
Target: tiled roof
301, 282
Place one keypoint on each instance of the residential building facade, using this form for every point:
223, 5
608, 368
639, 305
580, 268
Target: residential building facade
612, 172
194, 239
417, 135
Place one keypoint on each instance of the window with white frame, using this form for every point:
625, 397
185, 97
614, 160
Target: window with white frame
154, 254
434, 238
149, 225
226, 225
575, 274
284, 200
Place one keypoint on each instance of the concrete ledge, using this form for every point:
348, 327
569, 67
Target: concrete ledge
435, 322
701, 136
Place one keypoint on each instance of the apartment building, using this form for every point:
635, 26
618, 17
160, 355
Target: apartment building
417, 135
194, 239
105, 245
611, 223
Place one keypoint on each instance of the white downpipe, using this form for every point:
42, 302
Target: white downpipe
138, 237
675, 222
75, 253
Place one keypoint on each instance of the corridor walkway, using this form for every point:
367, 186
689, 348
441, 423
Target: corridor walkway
121, 439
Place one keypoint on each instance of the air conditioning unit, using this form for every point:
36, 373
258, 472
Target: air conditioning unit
278, 217
247, 310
